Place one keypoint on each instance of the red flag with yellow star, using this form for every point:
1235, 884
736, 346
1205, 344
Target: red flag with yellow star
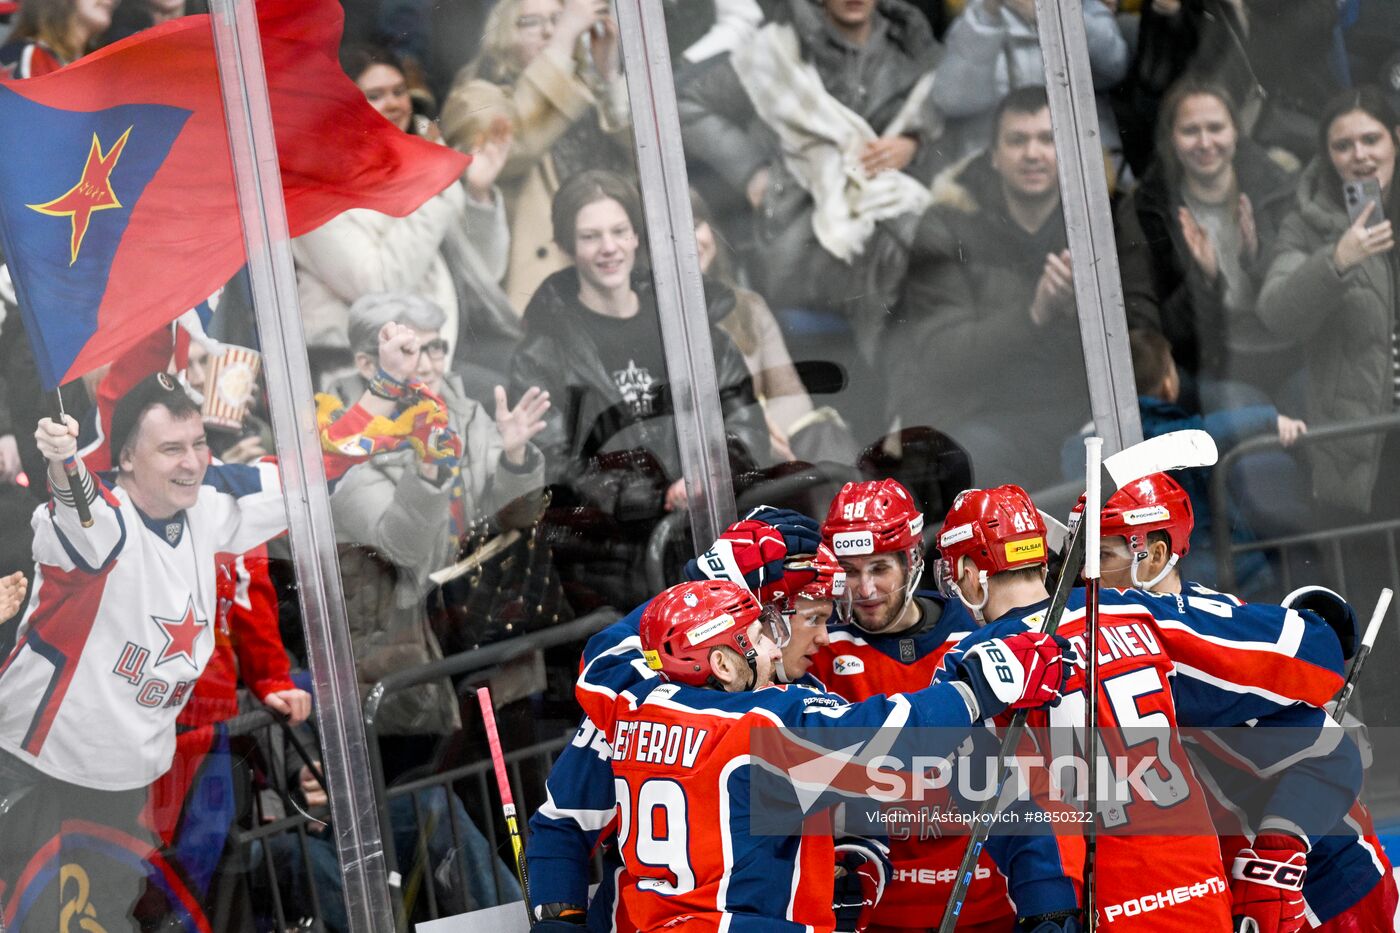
117, 207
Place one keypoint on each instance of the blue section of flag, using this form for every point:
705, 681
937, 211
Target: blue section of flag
41, 164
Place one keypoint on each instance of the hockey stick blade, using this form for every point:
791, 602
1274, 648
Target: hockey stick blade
1368, 641
1173, 451
1178, 450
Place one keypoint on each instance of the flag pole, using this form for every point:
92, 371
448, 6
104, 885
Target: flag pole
73, 472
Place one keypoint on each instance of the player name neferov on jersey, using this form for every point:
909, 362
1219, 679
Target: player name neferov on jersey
658, 743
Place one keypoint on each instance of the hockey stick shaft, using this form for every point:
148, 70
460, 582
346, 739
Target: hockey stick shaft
1174, 451
74, 471
1093, 453
1368, 641
498, 761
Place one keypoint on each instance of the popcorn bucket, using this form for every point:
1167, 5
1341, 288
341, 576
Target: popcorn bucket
229, 387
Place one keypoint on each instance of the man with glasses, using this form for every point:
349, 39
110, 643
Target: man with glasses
398, 519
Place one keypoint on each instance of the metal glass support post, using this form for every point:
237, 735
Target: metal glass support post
675, 264
253, 151
1098, 290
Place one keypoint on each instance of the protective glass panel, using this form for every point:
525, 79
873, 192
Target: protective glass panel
1259, 271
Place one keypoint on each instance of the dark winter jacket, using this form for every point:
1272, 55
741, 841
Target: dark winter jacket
721, 130
1164, 288
1346, 322
587, 414
963, 324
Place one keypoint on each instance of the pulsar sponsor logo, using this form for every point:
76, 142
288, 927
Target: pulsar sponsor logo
955, 534
1163, 899
1151, 513
653, 659
853, 543
710, 629
848, 664
1030, 549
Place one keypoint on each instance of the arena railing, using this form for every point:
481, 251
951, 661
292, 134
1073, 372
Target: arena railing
467, 662
1325, 540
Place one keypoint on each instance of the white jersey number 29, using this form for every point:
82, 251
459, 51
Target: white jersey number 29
659, 846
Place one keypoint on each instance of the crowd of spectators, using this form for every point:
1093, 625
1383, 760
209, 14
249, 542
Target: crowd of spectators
876, 187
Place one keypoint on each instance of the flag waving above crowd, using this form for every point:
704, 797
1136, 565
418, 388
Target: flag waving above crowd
117, 205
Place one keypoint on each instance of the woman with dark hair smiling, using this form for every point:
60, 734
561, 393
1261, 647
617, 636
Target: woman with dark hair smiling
1195, 240
1334, 284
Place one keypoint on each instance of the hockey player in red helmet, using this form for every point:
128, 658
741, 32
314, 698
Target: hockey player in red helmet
993, 533
894, 639
811, 589
682, 756
1147, 528
1146, 531
1190, 664
875, 530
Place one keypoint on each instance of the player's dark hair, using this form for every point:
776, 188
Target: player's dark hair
1032, 99
586, 188
1152, 360
1371, 101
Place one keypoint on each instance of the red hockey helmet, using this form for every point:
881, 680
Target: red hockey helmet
686, 622
806, 576
1154, 503
998, 529
873, 517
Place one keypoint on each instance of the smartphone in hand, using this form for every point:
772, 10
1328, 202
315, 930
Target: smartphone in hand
1358, 194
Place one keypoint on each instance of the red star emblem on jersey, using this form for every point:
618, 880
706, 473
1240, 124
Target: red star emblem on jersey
181, 635
92, 193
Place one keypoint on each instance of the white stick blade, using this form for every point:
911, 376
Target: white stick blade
1377, 617
1178, 450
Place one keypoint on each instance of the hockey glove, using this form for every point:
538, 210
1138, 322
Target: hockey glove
1020, 671
1061, 922
800, 533
749, 553
1332, 609
862, 866
1267, 884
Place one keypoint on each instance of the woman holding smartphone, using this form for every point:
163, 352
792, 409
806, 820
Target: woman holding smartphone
1334, 283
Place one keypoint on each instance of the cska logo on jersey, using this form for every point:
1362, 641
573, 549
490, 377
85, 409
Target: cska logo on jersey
181, 635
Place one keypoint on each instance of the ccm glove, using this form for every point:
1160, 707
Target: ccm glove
862, 866
801, 534
1266, 885
1020, 671
749, 553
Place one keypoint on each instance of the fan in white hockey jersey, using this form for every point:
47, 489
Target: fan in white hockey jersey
120, 623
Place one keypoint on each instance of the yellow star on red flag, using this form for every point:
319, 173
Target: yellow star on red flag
92, 193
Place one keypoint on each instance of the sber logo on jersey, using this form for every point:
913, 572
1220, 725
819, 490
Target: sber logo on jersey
1029, 549
848, 664
852, 543
710, 629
